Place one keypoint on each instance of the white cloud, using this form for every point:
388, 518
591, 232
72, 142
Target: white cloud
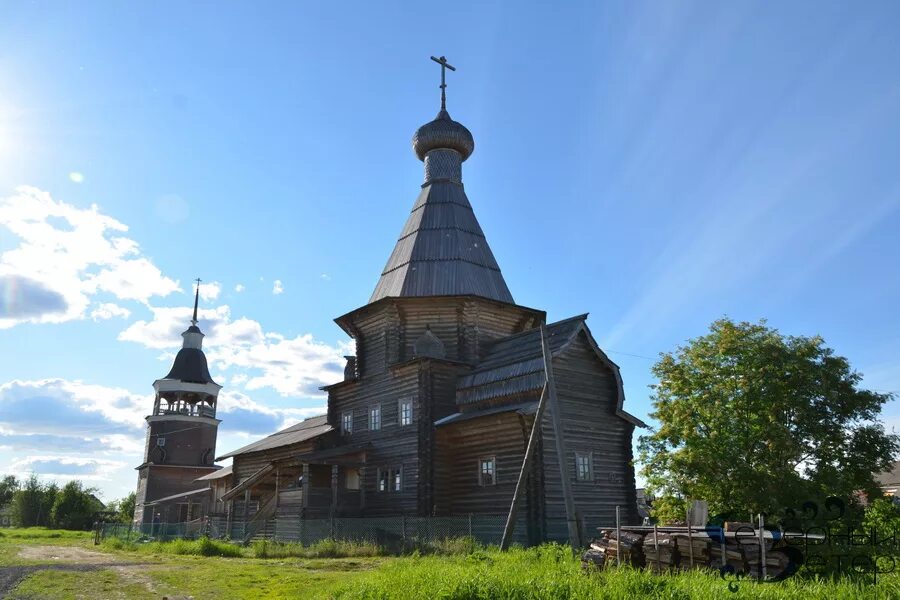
210, 290
239, 288
325, 277
65, 255
295, 366
277, 288
108, 310
76, 177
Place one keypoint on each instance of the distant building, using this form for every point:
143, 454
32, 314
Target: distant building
889, 481
181, 437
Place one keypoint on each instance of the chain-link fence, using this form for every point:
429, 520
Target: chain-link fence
386, 531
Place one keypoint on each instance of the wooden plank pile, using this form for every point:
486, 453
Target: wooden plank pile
605, 550
683, 550
693, 549
661, 551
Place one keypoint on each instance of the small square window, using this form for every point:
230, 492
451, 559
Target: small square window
487, 472
375, 417
405, 411
347, 423
584, 466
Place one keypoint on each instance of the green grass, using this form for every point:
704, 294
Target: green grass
39, 534
452, 570
549, 573
11, 540
202, 547
69, 585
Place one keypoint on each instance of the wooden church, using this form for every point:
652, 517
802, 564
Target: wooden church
436, 409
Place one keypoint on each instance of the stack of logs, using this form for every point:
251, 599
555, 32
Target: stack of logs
683, 550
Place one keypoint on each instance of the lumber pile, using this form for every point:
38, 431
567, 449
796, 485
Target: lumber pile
660, 552
605, 550
683, 550
693, 549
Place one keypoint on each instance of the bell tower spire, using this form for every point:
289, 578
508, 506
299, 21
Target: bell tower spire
196, 301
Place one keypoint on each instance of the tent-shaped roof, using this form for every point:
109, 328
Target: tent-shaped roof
442, 251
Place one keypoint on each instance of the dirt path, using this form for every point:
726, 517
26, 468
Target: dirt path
70, 558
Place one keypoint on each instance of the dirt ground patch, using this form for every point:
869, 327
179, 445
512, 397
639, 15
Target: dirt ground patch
72, 555
71, 558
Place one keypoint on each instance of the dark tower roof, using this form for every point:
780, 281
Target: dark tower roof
190, 363
190, 366
442, 250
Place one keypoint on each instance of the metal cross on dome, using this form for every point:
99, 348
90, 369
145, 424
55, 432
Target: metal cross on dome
444, 66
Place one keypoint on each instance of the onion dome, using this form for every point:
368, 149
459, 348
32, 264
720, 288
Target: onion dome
444, 133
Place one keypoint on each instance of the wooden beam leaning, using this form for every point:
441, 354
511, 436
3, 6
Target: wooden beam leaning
523, 473
556, 418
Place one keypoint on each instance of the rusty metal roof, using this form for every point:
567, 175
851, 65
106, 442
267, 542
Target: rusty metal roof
442, 251
301, 432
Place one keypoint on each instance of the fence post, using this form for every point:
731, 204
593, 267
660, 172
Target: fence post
762, 548
618, 537
332, 527
470, 526
403, 529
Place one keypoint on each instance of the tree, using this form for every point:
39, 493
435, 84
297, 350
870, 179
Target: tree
754, 421
126, 508
8, 486
74, 507
30, 504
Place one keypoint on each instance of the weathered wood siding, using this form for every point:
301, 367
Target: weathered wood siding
391, 446
587, 395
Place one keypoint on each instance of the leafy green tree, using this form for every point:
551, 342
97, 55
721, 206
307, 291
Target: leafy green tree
754, 421
8, 486
125, 508
28, 503
74, 507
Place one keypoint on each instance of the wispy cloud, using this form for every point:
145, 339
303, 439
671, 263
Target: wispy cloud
64, 256
292, 366
277, 287
76, 177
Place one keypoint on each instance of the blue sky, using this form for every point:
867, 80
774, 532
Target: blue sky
658, 165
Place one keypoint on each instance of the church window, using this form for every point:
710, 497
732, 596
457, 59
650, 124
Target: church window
584, 466
405, 410
375, 417
487, 471
390, 479
347, 423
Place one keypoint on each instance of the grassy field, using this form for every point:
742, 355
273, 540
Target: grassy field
456, 570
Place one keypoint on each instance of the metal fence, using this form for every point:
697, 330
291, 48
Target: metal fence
386, 531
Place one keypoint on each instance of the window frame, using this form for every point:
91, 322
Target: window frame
588, 476
372, 423
392, 477
347, 423
481, 473
400, 404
